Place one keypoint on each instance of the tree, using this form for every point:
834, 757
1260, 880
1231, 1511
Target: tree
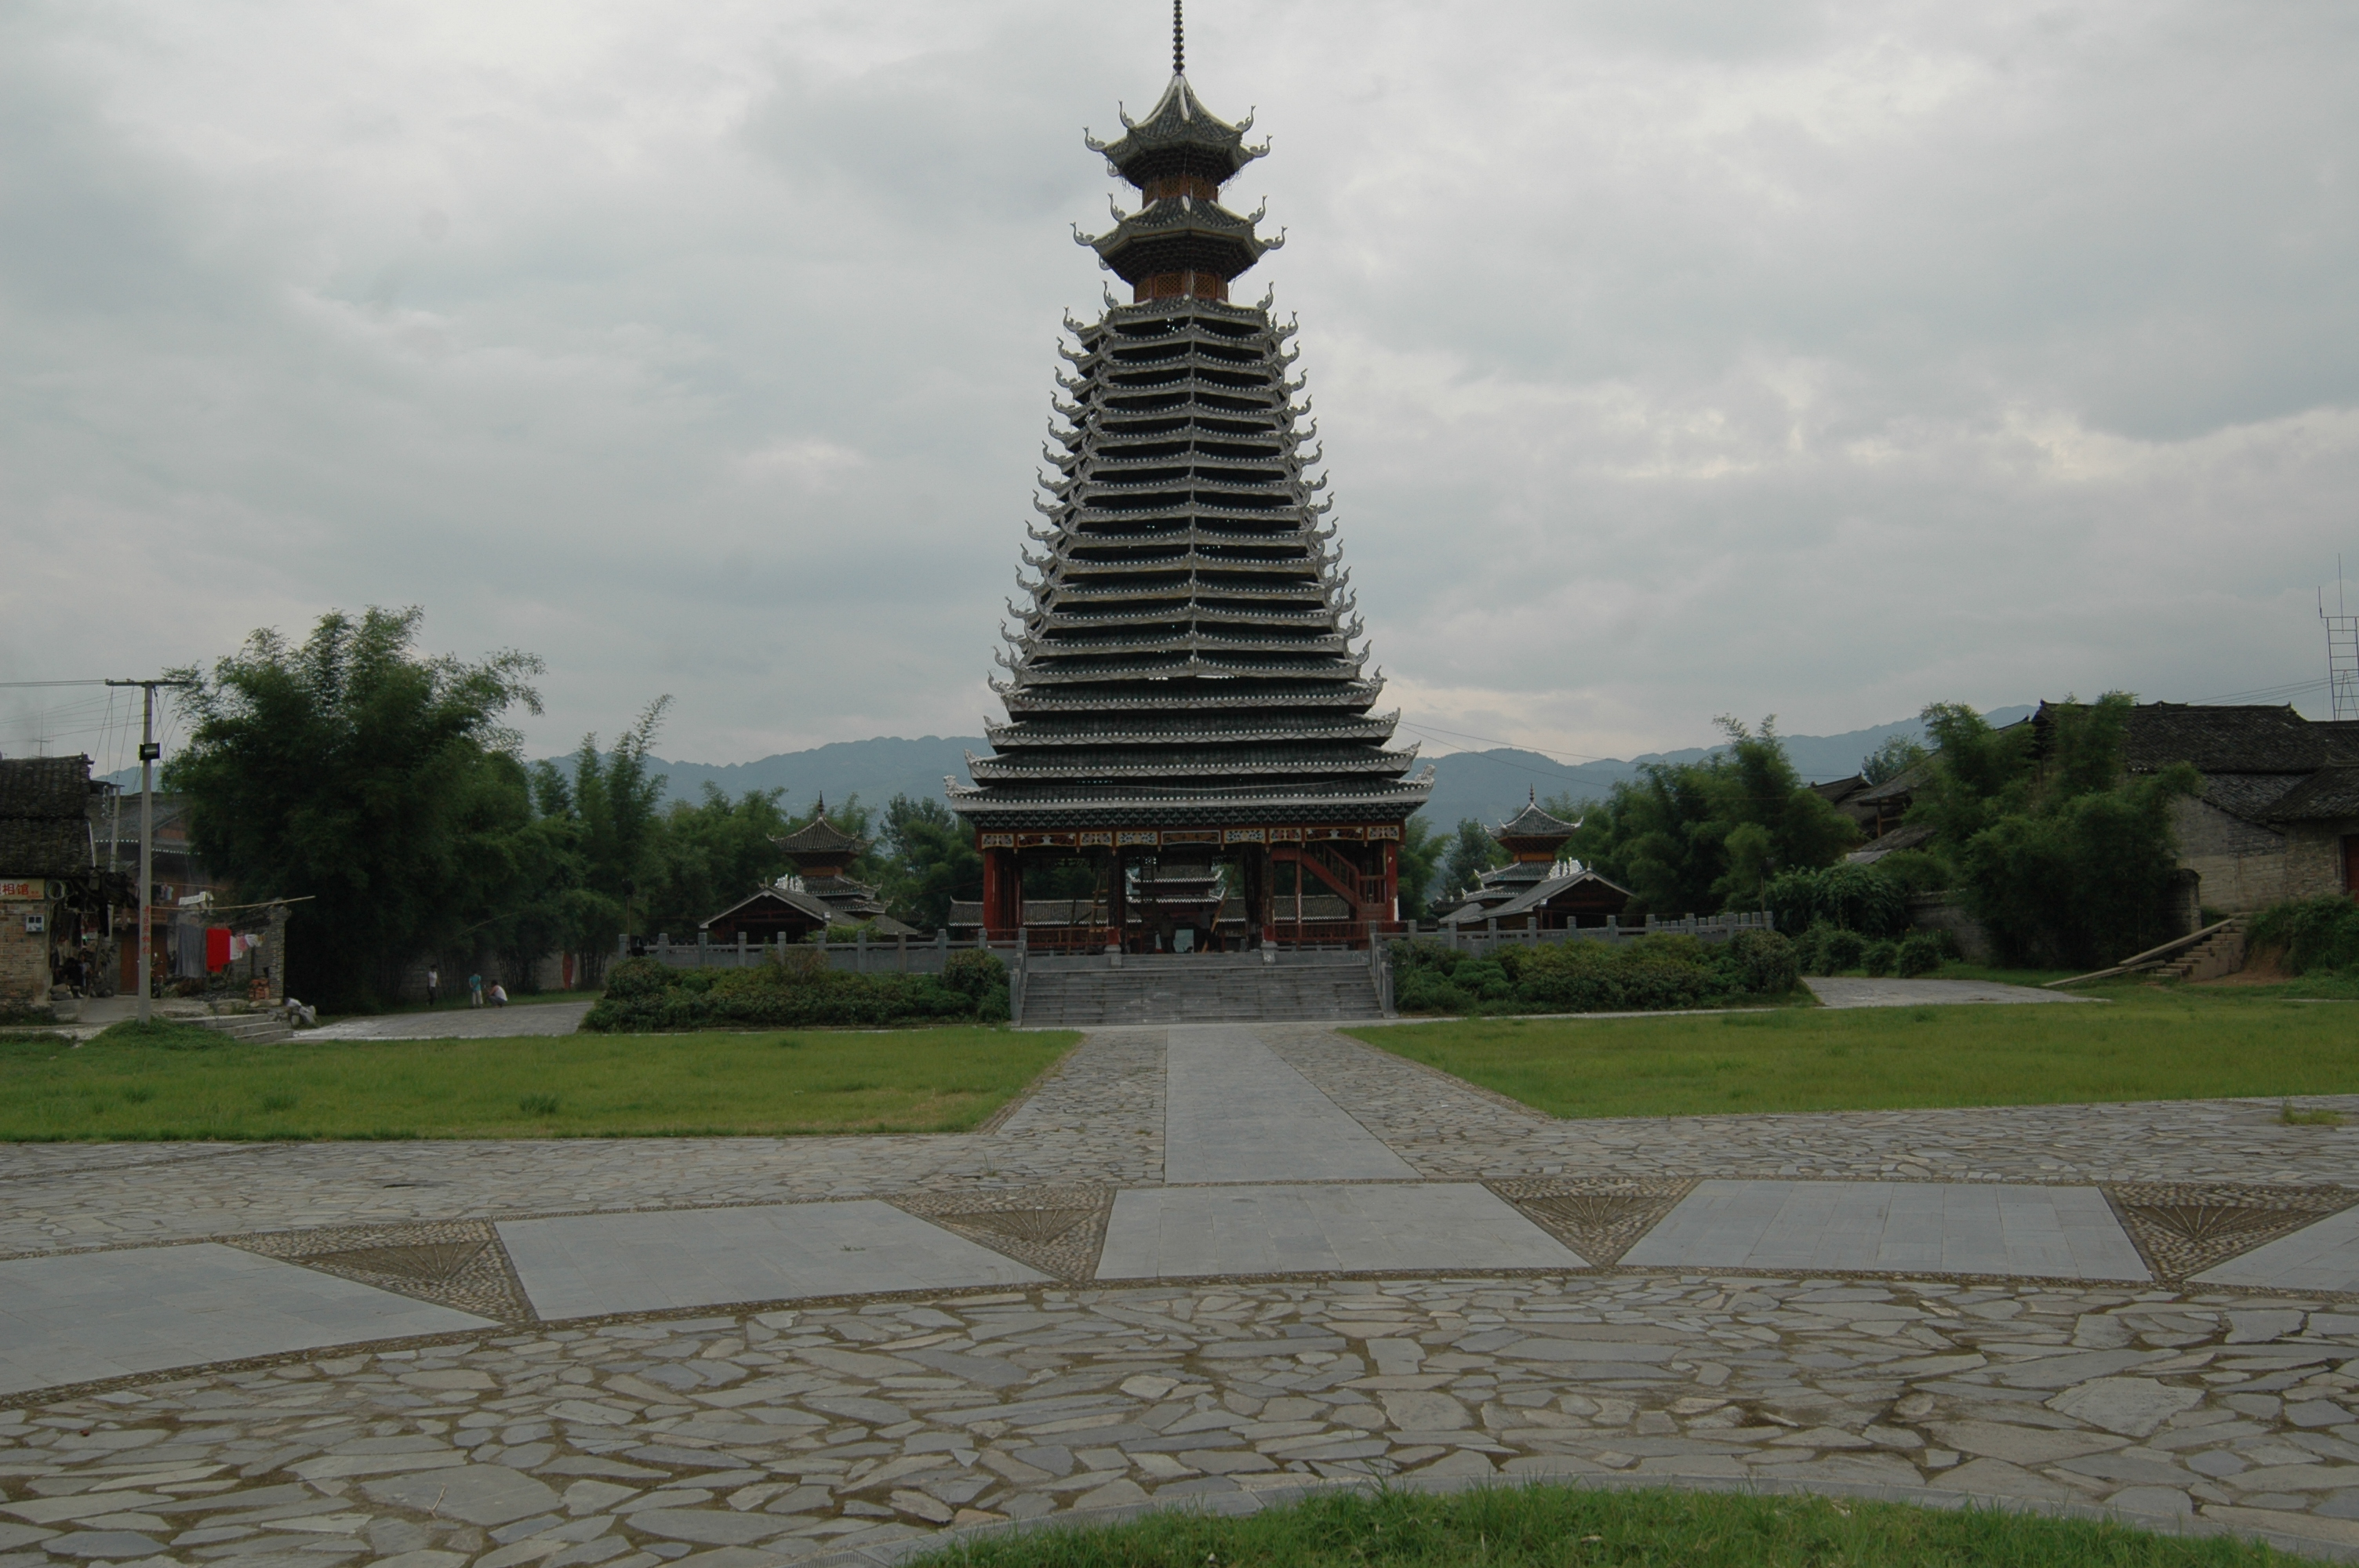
931, 860
607, 809
1466, 854
378, 786
1420, 857
711, 853
2062, 857
1696, 836
1893, 757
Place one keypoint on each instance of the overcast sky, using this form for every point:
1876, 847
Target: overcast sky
1674, 357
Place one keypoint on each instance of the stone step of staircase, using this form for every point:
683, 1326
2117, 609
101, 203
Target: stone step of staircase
2221, 953
249, 1028
1206, 992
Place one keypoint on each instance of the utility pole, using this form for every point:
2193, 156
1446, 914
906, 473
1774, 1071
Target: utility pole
149, 753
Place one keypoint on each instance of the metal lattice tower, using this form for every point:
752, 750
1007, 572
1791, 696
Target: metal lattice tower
2341, 661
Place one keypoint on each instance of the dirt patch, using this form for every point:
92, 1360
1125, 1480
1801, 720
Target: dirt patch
2262, 966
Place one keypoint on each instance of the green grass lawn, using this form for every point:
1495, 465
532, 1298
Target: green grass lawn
1561, 1527
2140, 1043
181, 1085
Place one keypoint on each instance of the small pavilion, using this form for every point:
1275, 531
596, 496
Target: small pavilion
1537, 889
819, 893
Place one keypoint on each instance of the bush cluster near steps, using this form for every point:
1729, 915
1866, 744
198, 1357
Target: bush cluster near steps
2313, 936
647, 997
1668, 970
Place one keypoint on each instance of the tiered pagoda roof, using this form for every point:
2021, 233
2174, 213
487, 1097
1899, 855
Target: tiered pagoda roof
1185, 652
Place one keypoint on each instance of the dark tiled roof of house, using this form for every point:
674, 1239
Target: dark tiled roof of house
45, 816
2224, 740
44, 787
2249, 795
2326, 794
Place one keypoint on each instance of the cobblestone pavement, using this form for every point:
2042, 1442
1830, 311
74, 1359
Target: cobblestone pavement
773, 1432
744, 1439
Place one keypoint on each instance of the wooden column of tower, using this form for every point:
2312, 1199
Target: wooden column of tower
1182, 684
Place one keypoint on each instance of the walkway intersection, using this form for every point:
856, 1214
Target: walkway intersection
1210, 1265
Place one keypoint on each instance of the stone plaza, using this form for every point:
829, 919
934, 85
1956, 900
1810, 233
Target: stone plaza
1201, 1267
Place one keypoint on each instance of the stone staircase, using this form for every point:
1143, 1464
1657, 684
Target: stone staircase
247, 1028
2221, 953
1199, 987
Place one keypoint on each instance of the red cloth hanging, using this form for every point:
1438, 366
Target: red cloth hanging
217, 947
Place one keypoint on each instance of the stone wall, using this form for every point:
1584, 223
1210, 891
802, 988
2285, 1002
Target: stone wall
1941, 911
2244, 866
24, 954
2314, 859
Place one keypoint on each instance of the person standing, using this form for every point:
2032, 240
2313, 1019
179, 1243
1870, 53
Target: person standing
474, 991
433, 985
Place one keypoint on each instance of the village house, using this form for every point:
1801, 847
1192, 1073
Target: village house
2277, 818
53, 906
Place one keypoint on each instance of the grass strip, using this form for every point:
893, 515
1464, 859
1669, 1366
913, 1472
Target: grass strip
1567, 1526
2147, 1043
176, 1081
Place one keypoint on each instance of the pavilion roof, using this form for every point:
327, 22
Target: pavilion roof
1178, 131
820, 838
1535, 824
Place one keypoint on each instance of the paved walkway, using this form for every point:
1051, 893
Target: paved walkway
1853, 990
1210, 1264
460, 1024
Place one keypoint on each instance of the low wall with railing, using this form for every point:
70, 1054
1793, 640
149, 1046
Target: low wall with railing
1704, 928
899, 954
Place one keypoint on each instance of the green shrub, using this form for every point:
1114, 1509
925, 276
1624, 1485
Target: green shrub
1765, 963
1850, 898
974, 971
1668, 969
2315, 933
802, 992
1920, 953
1877, 957
1840, 950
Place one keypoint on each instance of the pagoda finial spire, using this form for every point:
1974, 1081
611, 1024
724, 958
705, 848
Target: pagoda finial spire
1179, 42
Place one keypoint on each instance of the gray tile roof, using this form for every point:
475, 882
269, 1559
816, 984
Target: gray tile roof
45, 816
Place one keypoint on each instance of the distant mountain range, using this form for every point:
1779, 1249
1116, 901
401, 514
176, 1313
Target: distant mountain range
1488, 785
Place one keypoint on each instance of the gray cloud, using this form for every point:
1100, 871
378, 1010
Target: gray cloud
1823, 359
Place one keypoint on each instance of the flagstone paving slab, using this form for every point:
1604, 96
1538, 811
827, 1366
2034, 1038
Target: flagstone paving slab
2321, 1257
1188, 1232
593, 1265
108, 1314
1894, 1228
1236, 1112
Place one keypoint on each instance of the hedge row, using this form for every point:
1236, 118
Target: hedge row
645, 997
1826, 949
1666, 971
